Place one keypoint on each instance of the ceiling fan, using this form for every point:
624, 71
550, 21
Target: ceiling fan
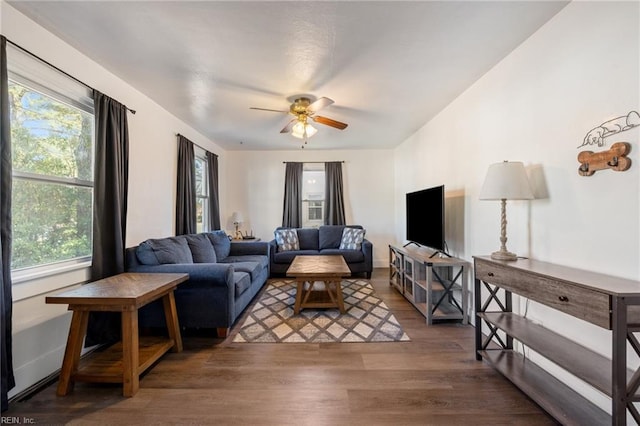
304, 110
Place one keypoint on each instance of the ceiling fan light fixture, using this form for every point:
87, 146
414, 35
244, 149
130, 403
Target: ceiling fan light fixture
302, 129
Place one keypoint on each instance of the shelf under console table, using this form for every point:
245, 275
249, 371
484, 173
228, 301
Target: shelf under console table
435, 285
608, 302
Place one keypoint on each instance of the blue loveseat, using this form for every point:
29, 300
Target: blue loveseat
324, 240
224, 277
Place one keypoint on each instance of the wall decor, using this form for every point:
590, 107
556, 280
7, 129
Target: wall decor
596, 135
614, 159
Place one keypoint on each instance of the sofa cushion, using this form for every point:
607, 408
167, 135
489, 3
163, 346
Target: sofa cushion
221, 244
146, 255
201, 248
288, 256
166, 251
352, 239
242, 282
287, 239
258, 258
350, 256
251, 268
308, 238
330, 236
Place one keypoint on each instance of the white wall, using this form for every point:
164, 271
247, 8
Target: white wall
40, 330
579, 70
535, 106
258, 179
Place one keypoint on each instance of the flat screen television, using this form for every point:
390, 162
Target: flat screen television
425, 217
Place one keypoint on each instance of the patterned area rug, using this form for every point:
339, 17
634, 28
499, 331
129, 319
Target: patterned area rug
367, 318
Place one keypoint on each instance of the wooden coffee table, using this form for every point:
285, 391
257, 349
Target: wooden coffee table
308, 271
123, 362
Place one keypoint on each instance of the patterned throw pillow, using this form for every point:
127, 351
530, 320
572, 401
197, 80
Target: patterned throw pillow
352, 239
287, 239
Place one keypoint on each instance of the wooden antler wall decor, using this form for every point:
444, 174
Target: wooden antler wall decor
614, 159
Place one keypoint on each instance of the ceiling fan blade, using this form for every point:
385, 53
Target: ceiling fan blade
318, 105
289, 126
266, 109
329, 122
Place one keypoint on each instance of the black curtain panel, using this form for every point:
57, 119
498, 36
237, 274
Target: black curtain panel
6, 300
214, 199
110, 187
292, 210
334, 196
110, 206
186, 188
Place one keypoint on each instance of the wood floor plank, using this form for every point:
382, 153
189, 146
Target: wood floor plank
433, 379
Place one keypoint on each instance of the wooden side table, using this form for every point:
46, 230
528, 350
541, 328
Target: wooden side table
124, 293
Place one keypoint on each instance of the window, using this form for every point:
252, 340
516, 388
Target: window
312, 194
202, 191
52, 137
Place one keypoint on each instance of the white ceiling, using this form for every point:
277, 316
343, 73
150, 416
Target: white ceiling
389, 66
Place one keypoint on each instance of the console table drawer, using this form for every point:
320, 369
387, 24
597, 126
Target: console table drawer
587, 304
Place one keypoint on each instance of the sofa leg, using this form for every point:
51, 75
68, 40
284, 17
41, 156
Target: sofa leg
222, 332
368, 275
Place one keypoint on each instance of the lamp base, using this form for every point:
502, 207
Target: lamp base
503, 255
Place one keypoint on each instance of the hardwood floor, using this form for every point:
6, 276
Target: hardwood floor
434, 380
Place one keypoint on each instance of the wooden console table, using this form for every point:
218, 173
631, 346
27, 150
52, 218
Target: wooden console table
435, 285
608, 302
124, 362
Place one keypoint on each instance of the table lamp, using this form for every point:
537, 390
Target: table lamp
237, 219
505, 181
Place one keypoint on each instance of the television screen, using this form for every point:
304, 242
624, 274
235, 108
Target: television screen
425, 217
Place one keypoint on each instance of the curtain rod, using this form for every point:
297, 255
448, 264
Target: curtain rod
132, 111
201, 147
312, 162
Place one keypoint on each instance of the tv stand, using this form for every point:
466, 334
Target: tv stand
435, 285
439, 253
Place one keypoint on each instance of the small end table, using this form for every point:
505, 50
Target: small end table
124, 293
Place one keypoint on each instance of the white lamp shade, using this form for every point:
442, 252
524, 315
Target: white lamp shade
507, 180
236, 217
299, 129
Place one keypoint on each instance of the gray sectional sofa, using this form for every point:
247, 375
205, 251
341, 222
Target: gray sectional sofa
224, 276
324, 240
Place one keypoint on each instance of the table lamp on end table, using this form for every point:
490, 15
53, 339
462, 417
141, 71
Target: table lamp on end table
237, 219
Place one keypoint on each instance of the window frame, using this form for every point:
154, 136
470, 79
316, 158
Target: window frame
319, 196
39, 77
201, 155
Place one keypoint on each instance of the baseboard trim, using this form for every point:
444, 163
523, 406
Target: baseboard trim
32, 390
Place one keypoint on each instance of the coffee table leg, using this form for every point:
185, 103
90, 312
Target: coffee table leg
77, 331
130, 356
171, 314
339, 297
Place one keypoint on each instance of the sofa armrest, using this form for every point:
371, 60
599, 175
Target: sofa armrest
273, 247
249, 248
212, 274
367, 249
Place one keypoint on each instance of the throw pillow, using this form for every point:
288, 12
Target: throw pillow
166, 251
221, 244
352, 239
201, 248
145, 254
287, 239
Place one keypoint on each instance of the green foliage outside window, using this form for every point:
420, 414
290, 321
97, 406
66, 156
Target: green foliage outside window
52, 149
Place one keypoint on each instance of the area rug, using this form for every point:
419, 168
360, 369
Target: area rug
367, 318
